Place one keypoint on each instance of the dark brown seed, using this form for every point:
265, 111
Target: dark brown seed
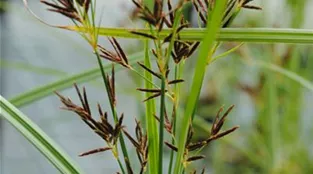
169, 5
86, 101
171, 146
158, 5
100, 110
79, 95
149, 70
222, 134
194, 158
222, 120
216, 120
252, 7
193, 48
137, 4
120, 50
152, 96
149, 90
161, 24
95, 151
195, 146
132, 140
86, 5
168, 38
175, 81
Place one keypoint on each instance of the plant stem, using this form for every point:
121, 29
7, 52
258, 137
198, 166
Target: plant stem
121, 138
178, 68
212, 30
162, 67
121, 165
152, 129
161, 127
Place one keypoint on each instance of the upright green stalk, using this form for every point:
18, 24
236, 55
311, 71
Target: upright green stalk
121, 138
213, 27
178, 75
161, 126
163, 66
177, 15
151, 122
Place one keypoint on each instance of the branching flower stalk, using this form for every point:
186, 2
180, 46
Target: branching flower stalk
78, 11
167, 51
103, 128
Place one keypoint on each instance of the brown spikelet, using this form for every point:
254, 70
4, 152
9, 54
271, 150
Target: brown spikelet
149, 90
222, 134
64, 7
194, 158
95, 151
154, 18
218, 123
171, 146
118, 56
214, 135
141, 145
152, 96
252, 7
102, 128
132, 140
149, 70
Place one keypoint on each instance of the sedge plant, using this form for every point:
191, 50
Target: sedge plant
167, 45
170, 54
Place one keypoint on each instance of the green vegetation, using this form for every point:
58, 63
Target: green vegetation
177, 119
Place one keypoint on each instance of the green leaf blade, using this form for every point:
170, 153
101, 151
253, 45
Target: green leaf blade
253, 35
38, 138
46, 90
213, 27
151, 121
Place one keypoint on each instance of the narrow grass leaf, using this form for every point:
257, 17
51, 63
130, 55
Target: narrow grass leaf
150, 112
256, 35
48, 89
213, 27
31, 68
38, 138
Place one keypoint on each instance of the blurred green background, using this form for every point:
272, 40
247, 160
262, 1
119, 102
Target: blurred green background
275, 113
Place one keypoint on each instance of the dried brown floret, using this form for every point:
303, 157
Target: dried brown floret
118, 57
95, 151
154, 18
102, 128
214, 135
141, 145
194, 158
64, 7
150, 71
